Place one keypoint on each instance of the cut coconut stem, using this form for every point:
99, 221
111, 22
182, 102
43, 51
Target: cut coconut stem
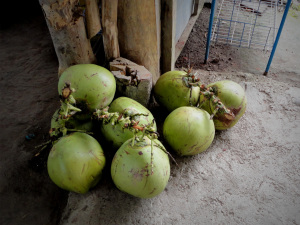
219, 107
151, 157
67, 109
168, 153
191, 92
127, 122
42, 147
190, 80
68, 101
214, 113
44, 144
133, 140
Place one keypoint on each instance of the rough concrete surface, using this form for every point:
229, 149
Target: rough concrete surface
249, 175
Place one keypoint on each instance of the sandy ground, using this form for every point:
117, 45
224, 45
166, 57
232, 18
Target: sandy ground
249, 175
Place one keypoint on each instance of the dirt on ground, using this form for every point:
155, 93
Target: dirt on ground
29, 97
221, 57
227, 58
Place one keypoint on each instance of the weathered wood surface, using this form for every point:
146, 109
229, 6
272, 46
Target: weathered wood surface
110, 29
138, 33
168, 26
67, 29
92, 18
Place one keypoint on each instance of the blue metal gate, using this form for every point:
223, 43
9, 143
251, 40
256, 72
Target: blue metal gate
247, 23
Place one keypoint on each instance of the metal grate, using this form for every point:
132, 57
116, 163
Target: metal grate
247, 23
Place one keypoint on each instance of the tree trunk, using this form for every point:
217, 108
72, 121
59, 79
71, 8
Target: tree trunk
66, 26
110, 29
92, 18
168, 26
138, 28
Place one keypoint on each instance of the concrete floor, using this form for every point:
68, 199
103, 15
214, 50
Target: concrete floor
249, 175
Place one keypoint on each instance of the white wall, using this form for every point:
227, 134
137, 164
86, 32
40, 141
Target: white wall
183, 14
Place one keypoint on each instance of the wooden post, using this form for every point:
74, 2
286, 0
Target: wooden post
110, 29
138, 33
196, 7
68, 33
168, 26
92, 18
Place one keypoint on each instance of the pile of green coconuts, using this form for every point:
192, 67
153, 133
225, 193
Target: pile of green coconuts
141, 164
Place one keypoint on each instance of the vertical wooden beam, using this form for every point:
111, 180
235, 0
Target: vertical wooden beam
137, 26
67, 29
110, 29
158, 24
92, 18
168, 26
196, 7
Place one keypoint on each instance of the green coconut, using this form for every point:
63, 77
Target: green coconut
137, 173
94, 86
233, 96
116, 134
171, 91
188, 130
75, 162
